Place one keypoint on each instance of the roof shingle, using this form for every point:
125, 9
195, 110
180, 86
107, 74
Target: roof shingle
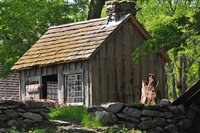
65, 43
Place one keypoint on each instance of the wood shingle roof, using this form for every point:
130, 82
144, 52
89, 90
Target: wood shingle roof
67, 43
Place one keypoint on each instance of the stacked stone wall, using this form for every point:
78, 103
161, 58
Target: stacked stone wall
13, 113
160, 118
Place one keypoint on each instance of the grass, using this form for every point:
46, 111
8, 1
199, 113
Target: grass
75, 114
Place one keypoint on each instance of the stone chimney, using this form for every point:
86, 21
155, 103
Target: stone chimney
117, 10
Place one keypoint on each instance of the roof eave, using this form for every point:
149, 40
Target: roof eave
44, 65
139, 26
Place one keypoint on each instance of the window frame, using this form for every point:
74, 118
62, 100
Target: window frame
78, 85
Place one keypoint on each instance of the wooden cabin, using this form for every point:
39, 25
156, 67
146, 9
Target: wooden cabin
90, 62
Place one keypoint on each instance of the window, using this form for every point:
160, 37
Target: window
74, 89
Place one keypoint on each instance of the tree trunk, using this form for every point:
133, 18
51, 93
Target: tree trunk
180, 70
150, 92
174, 95
95, 9
199, 69
184, 84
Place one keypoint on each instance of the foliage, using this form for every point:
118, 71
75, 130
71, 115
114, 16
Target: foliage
174, 26
75, 114
22, 22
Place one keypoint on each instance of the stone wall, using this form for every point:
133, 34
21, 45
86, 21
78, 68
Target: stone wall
162, 118
9, 87
14, 113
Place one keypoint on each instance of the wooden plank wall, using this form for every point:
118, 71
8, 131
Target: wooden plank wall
9, 86
115, 76
30, 75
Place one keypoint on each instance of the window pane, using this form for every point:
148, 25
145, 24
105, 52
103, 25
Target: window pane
74, 88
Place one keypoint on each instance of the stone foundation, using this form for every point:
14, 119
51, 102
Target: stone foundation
13, 113
162, 118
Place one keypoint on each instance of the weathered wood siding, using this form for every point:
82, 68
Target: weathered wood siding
9, 86
35, 74
115, 76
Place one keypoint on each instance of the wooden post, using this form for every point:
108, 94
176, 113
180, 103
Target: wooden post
22, 85
60, 84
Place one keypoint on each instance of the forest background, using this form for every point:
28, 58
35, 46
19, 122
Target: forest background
173, 24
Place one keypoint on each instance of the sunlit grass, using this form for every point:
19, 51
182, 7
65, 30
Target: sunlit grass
74, 114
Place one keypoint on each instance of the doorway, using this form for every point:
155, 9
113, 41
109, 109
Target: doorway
49, 87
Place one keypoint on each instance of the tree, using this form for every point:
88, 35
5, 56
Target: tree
174, 26
95, 8
22, 22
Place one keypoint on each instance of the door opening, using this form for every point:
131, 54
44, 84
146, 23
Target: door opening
49, 87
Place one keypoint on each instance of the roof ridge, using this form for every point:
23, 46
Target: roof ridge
77, 23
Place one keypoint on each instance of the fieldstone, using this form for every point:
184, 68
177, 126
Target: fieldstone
11, 123
145, 118
171, 128
160, 129
152, 107
44, 115
137, 106
132, 112
106, 117
31, 105
11, 113
180, 117
174, 109
146, 125
3, 107
92, 114
159, 121
185, 124
130, 125
113, 107
38, 110
191, 113
171, 121
133, 120
168, 115
12, 102
2, 101
21, 110
75, 130
28, 121
151, 113
94, 108
164, 108
3, 117
196, 107
161, 115
182, 108
13, 106
121, 116
32, 116
2, 124
165, 102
